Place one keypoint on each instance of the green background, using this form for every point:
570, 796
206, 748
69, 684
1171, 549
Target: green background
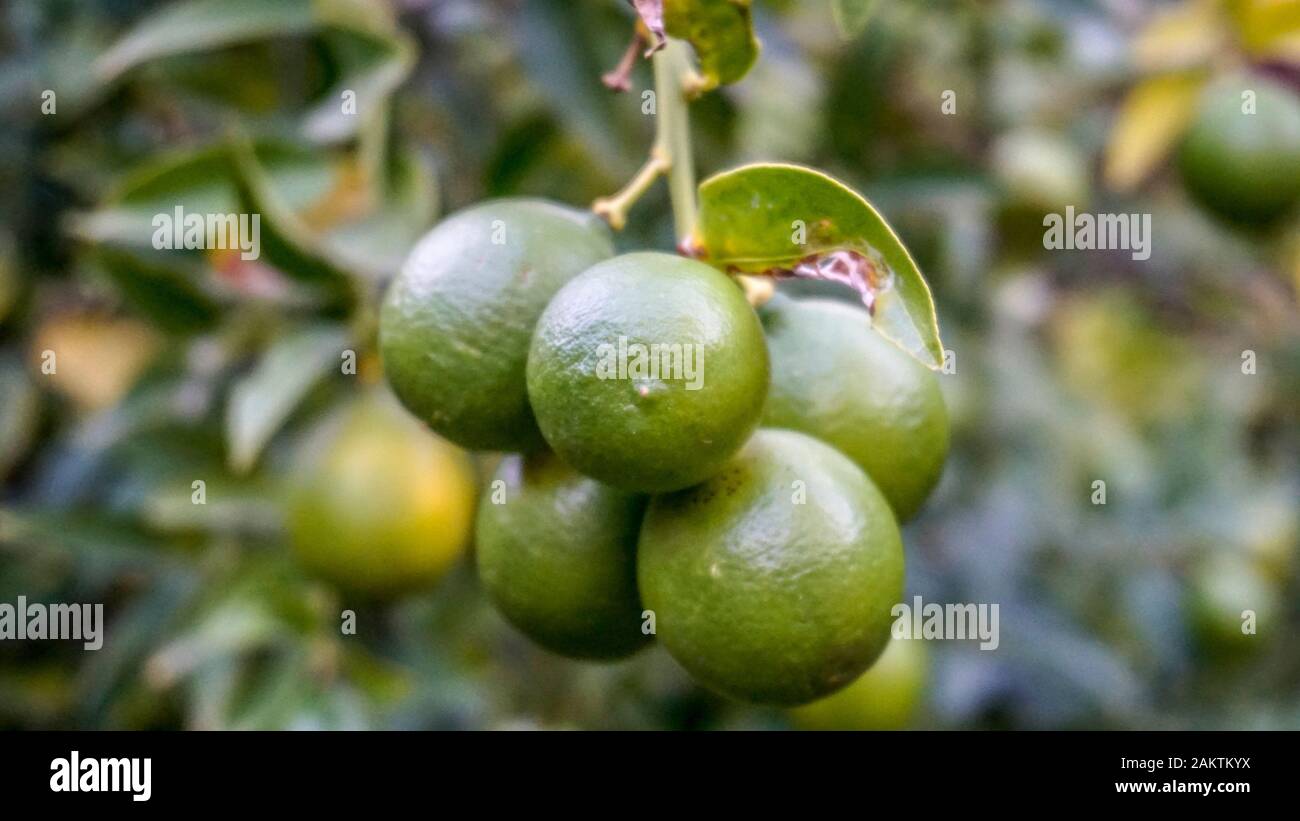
1071, 367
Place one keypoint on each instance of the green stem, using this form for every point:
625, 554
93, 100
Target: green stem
672, 66
614, 209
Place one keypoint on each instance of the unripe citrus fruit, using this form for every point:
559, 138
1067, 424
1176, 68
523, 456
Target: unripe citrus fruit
883, 698
837, 379
379, 504
557, 556
1240, 165
648, 371
773, 581
456, 322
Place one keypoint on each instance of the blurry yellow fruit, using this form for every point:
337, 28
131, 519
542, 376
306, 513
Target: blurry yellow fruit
92, 360
883, 698
379, 504
1112, 352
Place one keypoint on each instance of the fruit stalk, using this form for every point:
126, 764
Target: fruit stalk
671, 153
672, 68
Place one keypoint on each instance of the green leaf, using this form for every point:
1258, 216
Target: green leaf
19, 412
229, 629
752, 220
137, 627
196, 180
287, 241
378, 244
168, 295
722, 34
374, 55
203, 25
558, 56
173, 286
199, 181
103, 543
371, 70
260, 403
280, 182
852, 16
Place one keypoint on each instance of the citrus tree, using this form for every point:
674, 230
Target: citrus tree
410, 459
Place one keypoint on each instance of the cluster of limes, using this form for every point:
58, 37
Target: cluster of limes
679, 465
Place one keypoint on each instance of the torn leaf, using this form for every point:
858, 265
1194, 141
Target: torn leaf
787, 220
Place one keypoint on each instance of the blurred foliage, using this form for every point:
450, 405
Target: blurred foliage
1071, 367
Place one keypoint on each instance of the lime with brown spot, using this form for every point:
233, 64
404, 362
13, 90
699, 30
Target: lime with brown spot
648, 371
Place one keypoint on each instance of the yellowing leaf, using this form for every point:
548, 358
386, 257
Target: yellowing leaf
1151, 119
1269, 28
94, 359
1291, 258
1182, 37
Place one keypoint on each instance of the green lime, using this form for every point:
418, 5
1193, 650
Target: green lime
557, 556
1244, 166
837, 379
648, 371
378, 504
883, 698
773, 581
456, 322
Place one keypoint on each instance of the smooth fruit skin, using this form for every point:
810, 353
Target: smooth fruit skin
557, 557
456, 322
885, 697
773, 581
648, 435
835, 378
1245, 167
378, 504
